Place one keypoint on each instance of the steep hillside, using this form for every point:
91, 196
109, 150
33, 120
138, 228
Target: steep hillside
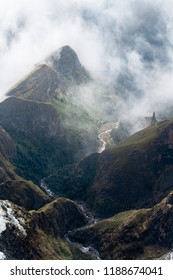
23, 193
135, 234
32, 119
48, 127
42, 84
55, 76
43, 142
63, 128
8, 152
24, 236
136, 173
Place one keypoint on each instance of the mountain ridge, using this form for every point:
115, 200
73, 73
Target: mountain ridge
49, 133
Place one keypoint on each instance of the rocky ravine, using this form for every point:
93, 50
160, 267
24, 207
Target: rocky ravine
135, 234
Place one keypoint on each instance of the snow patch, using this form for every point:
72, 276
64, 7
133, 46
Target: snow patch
7, 216
168, 256
2, 256
2, 220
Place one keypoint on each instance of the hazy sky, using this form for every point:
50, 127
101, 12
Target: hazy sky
128, 43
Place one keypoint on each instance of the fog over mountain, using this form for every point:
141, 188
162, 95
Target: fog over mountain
86, 129
126, 44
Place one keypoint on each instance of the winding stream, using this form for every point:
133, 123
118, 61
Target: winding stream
91, 219
105, 136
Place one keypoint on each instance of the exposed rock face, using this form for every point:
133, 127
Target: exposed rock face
12, 230
136, 234
26, 236
66, 62
153, 119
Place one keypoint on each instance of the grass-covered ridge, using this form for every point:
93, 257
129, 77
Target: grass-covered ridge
136, 173
135, 234
23, 193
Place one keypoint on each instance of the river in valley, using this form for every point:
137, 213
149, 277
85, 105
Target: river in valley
105, 135
91, 219
105, 138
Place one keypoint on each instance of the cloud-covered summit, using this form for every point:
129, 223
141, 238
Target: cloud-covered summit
127, 44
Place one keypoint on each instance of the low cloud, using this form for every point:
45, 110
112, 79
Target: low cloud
127, 44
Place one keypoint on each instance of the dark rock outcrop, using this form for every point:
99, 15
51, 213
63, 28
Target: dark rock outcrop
66, 62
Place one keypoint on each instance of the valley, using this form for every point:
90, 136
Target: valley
75, 182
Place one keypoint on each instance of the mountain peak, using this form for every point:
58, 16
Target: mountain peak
66, 49
66, 62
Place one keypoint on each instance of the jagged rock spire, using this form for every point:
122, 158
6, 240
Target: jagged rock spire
153, 119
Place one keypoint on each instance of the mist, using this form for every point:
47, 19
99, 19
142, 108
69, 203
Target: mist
127, 45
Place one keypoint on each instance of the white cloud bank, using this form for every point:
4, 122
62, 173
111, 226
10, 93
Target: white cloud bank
128, 43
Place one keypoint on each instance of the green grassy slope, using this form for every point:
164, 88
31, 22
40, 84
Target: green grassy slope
136, 173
